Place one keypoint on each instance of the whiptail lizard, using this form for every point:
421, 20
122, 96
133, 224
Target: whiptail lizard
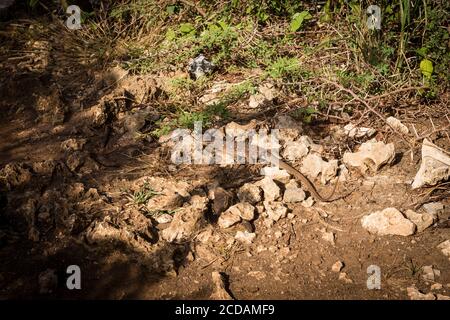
308, 184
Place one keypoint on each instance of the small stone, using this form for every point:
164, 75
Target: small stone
445, 248
328, 237
308, 203
429, 273
422, 221
344, 277
415, 294
244, 210
250, 193
245, 237
164, 218
220, 292
270, 189
389, 221
442, 297
434, 208
371, 155
358, 132
293, 193
276, 173
295, 150
228, 219
199, 67
337, 266
275, 210
397, 125
436, 286
435, 166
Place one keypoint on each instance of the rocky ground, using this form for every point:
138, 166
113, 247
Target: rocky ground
85, 182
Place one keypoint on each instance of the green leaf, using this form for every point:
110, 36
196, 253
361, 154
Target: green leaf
297, 20
170, 34
187, 28
426, 66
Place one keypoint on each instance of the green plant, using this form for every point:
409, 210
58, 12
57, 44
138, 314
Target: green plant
284, 68
141, 196
297, 20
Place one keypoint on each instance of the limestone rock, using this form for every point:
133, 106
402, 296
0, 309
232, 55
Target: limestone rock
295, 150
293, 193
353, 131
415, 294
250, 193
275, 173
270, 188
371, 155
397, 125
337, 266
228, 218
245, 237
275, 210
220, 292
288, 128
445, 248
435, 166
422, 221
186, 221
389, 221
429, 273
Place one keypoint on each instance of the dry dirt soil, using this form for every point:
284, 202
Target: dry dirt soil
71, 173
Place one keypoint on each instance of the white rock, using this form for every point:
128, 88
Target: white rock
445, 248
270, 188
275, 173
266, 94
358, 132
436, 286
422, 221
186, 221
337, 266
164, 218
228, 219
220, 292
429, 273
308, 203
312, 166
295, 150
275, 210
344, 277
328, 237
371, 155
389, 221
288, 128
434, 168
244, 210
397, 125
313, 147
293, 193
329, 171
415, 294
250, 193
434, 208
245, 237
